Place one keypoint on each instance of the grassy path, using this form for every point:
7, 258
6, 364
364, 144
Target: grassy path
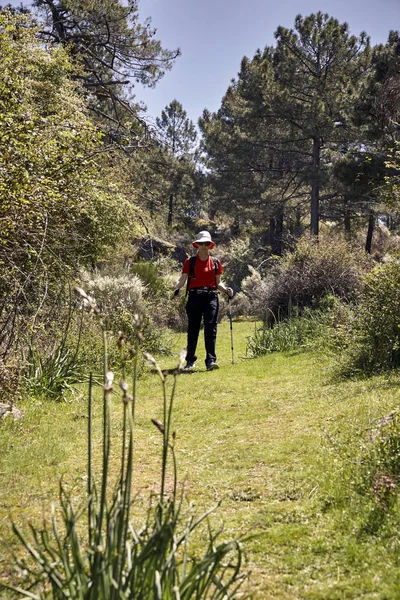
252, 434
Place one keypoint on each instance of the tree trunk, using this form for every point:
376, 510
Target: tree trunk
170, 209
315, 186
370, 231
347, 217
276, 231
298, 227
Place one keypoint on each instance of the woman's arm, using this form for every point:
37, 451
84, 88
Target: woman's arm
227, 290
180, 283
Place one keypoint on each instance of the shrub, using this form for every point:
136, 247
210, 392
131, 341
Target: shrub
371, 339
53, 375
115, 292
365, 486
380, 466
119, 297
57, 190
51, 364
148, 273
291, 334
303, 277
167, 310
240, 306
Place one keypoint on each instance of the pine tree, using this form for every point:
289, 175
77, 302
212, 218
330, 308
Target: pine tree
285, 118
112, 51
177, 139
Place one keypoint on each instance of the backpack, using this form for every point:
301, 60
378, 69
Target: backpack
192, 261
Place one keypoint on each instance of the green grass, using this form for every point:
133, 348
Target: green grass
265, 436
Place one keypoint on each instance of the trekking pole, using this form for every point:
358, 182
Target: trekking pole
230, 321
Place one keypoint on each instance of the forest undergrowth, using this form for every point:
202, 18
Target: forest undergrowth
297, 457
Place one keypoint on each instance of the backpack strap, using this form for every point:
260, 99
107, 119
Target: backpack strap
192, 262
215, 260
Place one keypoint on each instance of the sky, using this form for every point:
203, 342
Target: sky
214, 35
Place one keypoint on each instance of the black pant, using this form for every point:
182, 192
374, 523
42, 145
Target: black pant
202, 304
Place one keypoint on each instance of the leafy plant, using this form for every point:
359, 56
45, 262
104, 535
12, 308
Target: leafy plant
291, 334
54, 375
148, 274
60, 370
116, 560
239, 257
366, 477
371, 339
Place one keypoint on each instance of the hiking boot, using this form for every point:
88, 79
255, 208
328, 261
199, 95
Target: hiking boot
211, 365
189, 365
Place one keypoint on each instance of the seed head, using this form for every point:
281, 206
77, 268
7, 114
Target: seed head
124, 386
158, 424
109, 377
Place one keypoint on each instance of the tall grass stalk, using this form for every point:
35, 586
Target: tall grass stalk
114, 559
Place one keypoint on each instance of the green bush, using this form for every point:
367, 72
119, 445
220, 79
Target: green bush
149, 274
365, 483
122, 296
380, 472
52, 365
9, 379
53, 375
58, 194
370, 341
302, 278
115, 292
291, 334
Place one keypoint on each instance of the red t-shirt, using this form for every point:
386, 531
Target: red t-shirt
204, 272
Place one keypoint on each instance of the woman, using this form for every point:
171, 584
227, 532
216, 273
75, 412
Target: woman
203, 274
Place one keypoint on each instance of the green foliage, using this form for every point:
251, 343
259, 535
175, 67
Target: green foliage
171, 167
154, 284
115, 559
115, 292
55, 208
370, 340
380, 465
10, 379
292, 334
121, 297
50, 372
177, 133
367, 475
52, 376
392, 179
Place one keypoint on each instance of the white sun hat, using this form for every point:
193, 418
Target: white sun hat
203, 236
